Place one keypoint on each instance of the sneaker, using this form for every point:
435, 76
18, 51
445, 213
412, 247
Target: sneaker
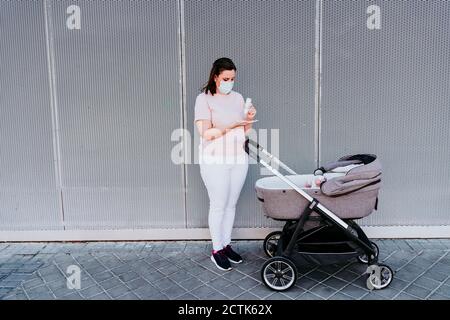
220, 260
232, 255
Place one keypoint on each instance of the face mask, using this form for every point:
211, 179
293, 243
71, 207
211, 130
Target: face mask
226, 86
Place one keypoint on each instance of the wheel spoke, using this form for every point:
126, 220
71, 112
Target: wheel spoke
271, 268
274, 282
270, 275
284, 270
285, 276
283, 283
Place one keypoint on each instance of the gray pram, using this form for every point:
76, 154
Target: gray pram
320, 227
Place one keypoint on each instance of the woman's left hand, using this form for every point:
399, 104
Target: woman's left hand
251, 113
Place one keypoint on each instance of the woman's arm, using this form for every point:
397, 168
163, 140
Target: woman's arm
207, 131
210, 133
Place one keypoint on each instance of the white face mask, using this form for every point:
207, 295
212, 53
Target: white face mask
226, 86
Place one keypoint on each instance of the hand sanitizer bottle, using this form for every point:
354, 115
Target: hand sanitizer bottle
248, 104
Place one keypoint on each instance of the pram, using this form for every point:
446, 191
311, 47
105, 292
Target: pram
319, 222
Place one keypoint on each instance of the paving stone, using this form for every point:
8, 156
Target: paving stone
405, 296
335, 283
398, 284
164, 283
340, 296
128, 296
437, 296
308, 296
306, 283
436, 275
125, 277
417, 291
247, 283
187, 296
207, 276
232, 291
136, 283
110, 283
322, 291
248, 296
387, 293
203, 291
117, 291
5, 292
346, 275
15, 295
73, 296
174, 291
426, 283
191, 283
373, 296
91, 291
261, 291
353, 291
444, 290
147, 292
317, 275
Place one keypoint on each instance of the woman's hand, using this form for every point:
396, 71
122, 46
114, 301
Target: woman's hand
251, 113
207, 131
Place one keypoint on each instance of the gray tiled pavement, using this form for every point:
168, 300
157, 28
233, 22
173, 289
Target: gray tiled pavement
183, 270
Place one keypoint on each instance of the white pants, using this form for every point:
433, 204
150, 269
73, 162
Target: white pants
224, 183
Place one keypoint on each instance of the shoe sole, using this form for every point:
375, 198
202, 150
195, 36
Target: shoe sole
237, 262
213, 260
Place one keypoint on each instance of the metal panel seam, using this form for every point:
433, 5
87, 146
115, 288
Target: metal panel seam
53, 101
318, 79
182, 86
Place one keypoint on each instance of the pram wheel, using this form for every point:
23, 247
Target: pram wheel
380, 276
279, 273
271, 242
363, 258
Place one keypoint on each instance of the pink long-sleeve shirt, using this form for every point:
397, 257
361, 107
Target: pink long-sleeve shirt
222, 111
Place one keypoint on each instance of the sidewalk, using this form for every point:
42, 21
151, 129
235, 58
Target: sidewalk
183, 270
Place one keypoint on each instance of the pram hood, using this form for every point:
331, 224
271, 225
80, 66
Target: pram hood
357, 178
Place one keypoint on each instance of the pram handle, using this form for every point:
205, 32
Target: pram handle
262, 150
249, 152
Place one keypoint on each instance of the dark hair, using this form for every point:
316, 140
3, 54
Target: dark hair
218, 66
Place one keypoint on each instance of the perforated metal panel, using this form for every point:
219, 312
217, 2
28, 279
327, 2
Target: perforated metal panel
386, 92
118, 99
117, 93
28, 194
272, 45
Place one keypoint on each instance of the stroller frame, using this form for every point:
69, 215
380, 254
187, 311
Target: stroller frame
357, 238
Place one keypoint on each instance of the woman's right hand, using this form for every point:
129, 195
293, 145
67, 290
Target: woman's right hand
237, 124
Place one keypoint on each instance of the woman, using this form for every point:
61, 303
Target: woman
222, 124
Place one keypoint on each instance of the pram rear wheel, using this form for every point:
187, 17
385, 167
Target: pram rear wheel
279, 273
363, 258
271, 242
380, 276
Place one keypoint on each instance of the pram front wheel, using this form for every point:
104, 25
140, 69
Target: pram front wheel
380, 276
271, 242
363, 258
279, 273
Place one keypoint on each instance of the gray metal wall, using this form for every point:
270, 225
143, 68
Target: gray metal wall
86, 116
387, 92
